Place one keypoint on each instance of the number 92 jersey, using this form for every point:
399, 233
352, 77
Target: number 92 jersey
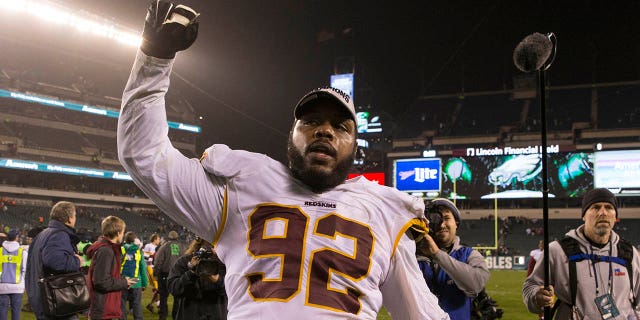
295, 254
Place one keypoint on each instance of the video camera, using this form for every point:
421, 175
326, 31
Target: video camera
209, 263
435, 218
485, 308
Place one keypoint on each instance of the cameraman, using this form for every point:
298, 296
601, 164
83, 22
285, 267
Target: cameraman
456, 274
196, 282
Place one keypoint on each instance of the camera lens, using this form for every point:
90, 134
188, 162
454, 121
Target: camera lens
435, 222
207, 267
208, 264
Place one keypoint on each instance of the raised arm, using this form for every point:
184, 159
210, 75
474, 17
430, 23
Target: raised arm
177, 185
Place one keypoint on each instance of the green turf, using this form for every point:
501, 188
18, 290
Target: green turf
146, 297
505, 286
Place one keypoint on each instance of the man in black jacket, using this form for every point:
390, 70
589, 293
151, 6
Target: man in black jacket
53, 251
166, 256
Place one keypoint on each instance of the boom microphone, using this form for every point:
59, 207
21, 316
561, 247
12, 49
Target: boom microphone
535, 52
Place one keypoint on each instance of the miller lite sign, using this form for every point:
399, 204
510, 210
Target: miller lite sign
417, 175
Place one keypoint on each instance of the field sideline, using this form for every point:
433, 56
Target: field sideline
505, 286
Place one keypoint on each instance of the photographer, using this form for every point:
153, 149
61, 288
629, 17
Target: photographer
196, 281
456, 274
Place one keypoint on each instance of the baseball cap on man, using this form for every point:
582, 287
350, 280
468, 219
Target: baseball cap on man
341, 98
598, 195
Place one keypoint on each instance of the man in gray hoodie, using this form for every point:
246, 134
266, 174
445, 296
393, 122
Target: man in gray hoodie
603, 289
13, 260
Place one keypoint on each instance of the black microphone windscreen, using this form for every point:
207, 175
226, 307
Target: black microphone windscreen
532, 52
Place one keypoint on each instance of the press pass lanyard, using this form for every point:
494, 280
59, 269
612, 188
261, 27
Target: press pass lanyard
595, 271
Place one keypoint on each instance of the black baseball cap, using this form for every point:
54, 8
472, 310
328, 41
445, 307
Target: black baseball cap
331, 93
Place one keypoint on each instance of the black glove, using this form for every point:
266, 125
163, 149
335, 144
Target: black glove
168, 28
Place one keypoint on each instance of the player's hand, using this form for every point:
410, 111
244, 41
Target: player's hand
168, 28
544, 297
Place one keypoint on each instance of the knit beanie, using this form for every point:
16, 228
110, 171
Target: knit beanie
442, 202
598, 195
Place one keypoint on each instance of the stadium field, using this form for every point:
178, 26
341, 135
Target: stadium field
505, 286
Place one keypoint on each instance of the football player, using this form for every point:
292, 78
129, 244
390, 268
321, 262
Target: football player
299, 241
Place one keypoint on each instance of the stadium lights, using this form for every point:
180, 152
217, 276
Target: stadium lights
87, 23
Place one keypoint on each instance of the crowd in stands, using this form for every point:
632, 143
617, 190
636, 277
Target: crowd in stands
517, 235
80, 138
51, 181
143, 221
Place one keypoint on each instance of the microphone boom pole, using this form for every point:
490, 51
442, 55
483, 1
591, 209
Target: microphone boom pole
537, 52
545, 188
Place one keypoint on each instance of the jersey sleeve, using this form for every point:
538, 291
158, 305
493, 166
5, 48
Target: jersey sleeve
179, 186
404, 291
222, 161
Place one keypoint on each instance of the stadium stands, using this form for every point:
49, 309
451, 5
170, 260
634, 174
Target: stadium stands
32, 131
478, 115
77, 72
144, 223
624, 101
519, 241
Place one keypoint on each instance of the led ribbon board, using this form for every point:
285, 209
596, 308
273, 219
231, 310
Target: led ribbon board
62, 169
84, 108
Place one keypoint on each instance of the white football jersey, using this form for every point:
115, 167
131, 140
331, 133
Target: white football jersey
325, 253
289, 253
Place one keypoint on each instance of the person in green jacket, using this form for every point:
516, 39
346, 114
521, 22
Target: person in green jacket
133, 266
83, 245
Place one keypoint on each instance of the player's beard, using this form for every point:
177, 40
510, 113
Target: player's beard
318, 181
